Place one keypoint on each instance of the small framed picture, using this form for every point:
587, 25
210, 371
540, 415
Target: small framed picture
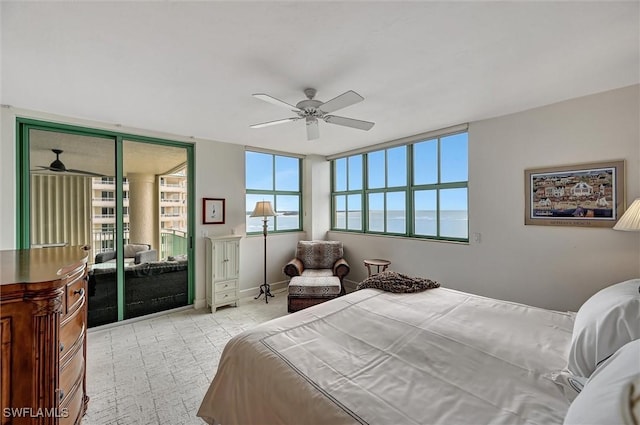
212, 211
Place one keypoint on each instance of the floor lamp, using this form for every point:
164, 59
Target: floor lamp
263, 209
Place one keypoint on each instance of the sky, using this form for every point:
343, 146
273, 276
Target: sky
454, 166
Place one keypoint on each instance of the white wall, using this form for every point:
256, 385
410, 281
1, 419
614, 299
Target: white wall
551, 267
219, 174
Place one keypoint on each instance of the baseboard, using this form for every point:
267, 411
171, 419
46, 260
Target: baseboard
349, 285
137, 319
200, 303
275, 287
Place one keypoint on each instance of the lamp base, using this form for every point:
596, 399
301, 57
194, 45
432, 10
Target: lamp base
265, 289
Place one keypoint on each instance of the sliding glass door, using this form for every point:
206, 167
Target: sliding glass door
127, 197
154, 198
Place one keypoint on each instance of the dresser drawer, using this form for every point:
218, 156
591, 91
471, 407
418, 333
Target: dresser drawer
74, 294
72, 408
71, 376
225, 286
71, 333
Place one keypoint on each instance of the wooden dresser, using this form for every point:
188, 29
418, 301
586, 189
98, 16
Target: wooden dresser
43, 326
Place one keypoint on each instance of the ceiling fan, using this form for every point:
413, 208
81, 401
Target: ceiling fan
59, 167
312, 110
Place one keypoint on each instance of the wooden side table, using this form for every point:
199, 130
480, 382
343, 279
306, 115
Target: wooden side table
378, 263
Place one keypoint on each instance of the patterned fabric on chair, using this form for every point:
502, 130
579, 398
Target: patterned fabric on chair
316, 273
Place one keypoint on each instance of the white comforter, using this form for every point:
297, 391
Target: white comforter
435, 357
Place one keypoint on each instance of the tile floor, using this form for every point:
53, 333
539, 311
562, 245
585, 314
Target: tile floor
156, 371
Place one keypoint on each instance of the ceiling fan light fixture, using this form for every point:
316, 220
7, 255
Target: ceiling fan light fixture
57, 165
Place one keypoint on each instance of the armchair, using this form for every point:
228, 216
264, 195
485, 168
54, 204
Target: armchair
136, 253
316, 273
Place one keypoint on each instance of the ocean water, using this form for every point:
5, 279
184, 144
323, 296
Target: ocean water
454, 224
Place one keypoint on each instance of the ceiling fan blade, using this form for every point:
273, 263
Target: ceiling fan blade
349, 122
67, 171
86, 173
312, 128
342, 101
274, 101
267, 124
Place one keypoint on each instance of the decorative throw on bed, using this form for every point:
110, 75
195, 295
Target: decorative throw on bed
397, 282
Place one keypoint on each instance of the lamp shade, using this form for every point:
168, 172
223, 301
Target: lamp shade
630, 220
263, 209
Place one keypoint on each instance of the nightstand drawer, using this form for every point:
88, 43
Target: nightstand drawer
225, 297
225, 286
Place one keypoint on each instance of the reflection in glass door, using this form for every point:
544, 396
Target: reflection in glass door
156, 231
72, 202
124, 196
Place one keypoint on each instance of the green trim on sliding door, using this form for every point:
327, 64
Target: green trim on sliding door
119, 245
24, 125
191, 221
23, 179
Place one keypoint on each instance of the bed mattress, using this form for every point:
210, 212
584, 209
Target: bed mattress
436, 357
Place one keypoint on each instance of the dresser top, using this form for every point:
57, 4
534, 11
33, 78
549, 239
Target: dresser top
40, 264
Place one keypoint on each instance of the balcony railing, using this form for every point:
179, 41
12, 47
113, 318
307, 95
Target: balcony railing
172, 242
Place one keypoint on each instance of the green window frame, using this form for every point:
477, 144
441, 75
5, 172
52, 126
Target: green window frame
276, 178
418, 189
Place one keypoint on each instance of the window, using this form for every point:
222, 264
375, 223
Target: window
347, 193
419, 189
274, 178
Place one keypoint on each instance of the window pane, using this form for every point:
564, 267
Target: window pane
355, 172
396, 213
425, 162
341, 174
259, 171
287, 173
376, 212
453, 161
340, 203
354, 213
397, 166
425, 204
375, 169
254, 224
454, 216
288, 210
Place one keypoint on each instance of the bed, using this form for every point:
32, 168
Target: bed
435, 357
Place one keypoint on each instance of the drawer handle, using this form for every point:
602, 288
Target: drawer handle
79, 292
61, 394
61, 347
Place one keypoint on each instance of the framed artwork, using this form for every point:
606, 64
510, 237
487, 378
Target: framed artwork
589, 195
212, 211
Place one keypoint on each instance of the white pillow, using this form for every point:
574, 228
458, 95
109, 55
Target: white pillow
131, 249
605, 322
609, 394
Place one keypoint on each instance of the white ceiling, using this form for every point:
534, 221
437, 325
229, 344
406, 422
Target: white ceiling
189, 68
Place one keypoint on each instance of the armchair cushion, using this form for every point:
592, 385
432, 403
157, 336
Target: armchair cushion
319, 254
